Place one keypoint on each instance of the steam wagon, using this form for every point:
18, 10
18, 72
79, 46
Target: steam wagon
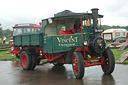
66, 38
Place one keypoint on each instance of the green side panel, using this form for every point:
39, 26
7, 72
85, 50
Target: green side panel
41, 39
55, 44
44, 23
45, 48
64, 43
45, 43
35, 40
58, 47
44, 37
88, 32
48, 45
25, 40
17, 40
87, 37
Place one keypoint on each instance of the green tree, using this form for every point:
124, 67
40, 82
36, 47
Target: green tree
7, 33
105, 27
126, 28
1, 32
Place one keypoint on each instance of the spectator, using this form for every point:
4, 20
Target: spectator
4, 39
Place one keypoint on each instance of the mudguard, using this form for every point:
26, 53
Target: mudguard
69, 56
30, 51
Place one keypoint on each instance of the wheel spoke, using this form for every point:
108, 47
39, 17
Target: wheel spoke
75, 65
78, 64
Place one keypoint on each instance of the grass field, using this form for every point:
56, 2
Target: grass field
4, 55
118, 53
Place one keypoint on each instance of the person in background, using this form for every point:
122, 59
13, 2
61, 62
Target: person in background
4, 39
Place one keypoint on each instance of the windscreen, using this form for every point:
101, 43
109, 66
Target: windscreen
18, 31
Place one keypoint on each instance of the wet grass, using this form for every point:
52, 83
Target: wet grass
5, 55
118, 53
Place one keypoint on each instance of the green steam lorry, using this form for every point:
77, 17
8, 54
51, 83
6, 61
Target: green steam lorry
66, 38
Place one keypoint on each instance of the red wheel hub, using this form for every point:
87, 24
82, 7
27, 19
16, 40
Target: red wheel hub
24, 60
75, 65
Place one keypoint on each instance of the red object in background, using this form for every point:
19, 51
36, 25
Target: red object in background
64, 32
127, 35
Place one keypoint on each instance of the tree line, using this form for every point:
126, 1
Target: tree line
105, 27
7, 33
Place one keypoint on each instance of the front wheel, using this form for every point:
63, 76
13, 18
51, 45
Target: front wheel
109, 63
78, 65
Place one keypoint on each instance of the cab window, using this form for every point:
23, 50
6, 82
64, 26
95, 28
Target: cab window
17, 31
38, 30
58, 25
27, 30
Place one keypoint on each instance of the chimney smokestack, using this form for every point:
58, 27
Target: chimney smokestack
95, 16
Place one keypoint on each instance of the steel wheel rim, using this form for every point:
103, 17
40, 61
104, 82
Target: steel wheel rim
24, 60
75, 65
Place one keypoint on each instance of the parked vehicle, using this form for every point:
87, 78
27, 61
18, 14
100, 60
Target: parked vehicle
111, 34
66, 38
23, 28
121, 39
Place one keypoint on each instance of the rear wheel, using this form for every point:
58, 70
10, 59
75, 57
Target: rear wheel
28, 62
34, 62
78, 64
57, 64
109, 63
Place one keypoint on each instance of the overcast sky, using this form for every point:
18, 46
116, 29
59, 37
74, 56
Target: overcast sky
33, 11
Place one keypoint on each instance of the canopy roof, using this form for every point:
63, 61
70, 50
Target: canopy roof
72, 15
